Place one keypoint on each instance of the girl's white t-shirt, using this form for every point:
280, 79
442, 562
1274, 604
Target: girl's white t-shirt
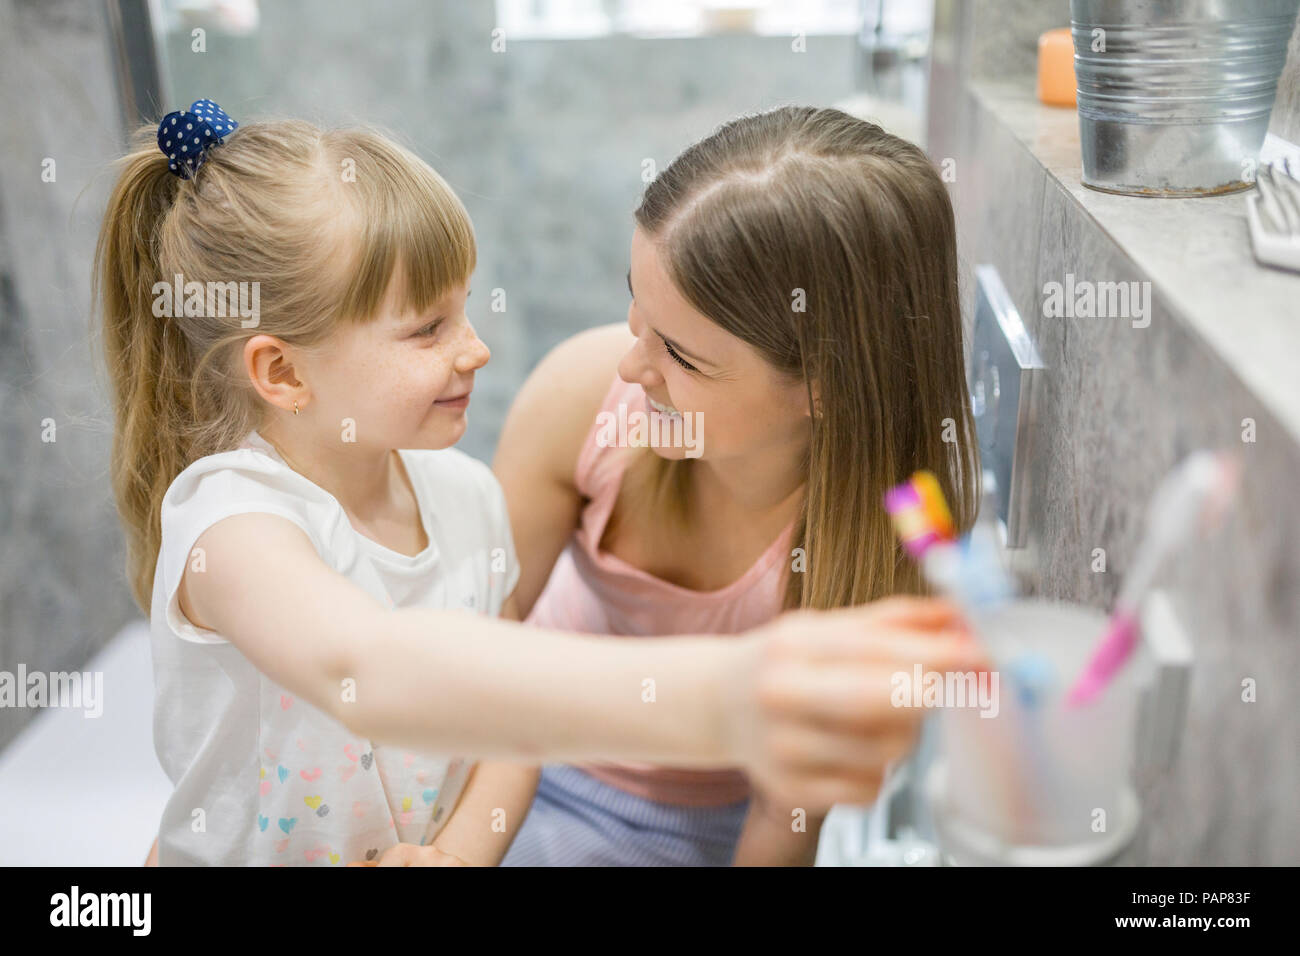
262, 777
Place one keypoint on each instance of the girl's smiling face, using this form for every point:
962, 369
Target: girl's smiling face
403, 378
686, 362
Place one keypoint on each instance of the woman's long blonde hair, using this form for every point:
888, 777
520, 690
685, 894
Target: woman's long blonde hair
320, 219
812, 207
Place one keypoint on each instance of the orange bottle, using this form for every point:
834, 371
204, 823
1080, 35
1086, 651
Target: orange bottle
1056, 84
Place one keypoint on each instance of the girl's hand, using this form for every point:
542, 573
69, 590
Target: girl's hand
408, 854
813, 716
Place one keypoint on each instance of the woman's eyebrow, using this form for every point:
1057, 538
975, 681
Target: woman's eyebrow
678, 349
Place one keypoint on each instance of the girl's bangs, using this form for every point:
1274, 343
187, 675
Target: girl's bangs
414, 231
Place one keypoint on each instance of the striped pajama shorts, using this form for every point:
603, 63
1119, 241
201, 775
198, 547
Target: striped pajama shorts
577, 820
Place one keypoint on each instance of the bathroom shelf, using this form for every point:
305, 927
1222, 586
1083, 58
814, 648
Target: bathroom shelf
1196, 253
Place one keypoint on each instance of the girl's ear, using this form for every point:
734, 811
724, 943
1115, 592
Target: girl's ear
269, 364
816, 400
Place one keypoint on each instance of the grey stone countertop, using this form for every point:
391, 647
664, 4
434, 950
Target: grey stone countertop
1196, 253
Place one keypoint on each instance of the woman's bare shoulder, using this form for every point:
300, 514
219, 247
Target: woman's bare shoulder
550, 417
589, 360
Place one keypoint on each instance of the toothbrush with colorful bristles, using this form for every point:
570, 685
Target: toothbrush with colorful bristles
968, 571
920, 514
1194, 495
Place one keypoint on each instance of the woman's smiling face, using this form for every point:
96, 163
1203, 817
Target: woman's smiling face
686, 362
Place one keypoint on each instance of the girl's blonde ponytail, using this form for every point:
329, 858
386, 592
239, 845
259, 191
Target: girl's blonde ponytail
150, 365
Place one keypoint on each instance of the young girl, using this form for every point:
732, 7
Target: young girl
323, 606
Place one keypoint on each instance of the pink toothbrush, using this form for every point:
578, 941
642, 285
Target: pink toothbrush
1194, 495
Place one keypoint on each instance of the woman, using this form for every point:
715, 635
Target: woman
794, 291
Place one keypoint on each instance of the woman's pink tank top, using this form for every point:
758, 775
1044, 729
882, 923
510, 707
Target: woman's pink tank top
592, 591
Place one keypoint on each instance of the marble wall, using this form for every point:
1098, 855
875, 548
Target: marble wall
1118, 406
62, 586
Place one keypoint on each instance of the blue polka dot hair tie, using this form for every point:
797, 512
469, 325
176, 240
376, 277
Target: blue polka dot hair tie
185, 136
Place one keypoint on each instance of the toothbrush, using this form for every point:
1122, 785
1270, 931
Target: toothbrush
1196, 493
1033, 680
970, 572
920, 513
967, 570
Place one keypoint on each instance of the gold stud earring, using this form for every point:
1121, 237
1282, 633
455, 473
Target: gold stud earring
295, 406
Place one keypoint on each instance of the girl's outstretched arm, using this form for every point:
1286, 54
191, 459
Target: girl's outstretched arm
803, 703
446, 680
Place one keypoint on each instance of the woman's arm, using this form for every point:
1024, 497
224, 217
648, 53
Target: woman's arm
489, 812
540, 441
778, 835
